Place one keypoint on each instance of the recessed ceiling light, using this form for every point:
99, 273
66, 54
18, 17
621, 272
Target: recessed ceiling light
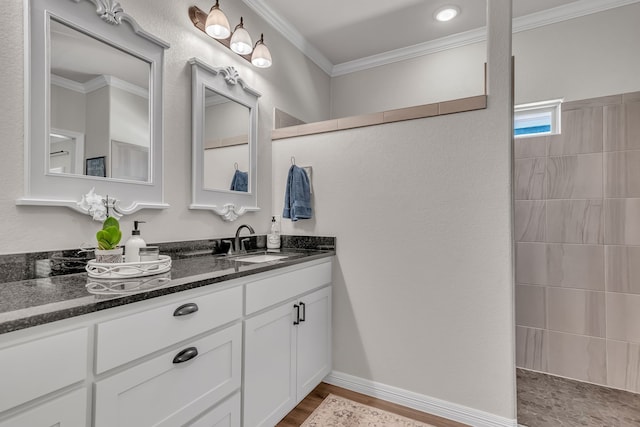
446, 13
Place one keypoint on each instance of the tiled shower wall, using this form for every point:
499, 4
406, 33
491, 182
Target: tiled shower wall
577, 225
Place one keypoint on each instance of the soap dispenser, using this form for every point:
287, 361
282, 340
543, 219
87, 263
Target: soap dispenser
273, 238
133, 245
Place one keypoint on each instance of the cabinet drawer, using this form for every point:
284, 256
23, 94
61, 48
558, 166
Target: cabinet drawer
38, 367
69, 410
122, 340
163, 393
266, 292
227, 414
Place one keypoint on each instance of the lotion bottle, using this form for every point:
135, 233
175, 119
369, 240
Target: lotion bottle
133, 245
273, 238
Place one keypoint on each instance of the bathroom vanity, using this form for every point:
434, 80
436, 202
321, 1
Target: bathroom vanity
224, 343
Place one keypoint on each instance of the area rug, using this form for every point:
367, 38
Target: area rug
336, 411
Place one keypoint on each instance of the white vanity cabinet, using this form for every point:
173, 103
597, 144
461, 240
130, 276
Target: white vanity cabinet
240, 353
287, 346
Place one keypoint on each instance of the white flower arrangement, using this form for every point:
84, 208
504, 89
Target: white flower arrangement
99, 207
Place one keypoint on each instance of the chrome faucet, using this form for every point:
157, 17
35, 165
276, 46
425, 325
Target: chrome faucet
236, 245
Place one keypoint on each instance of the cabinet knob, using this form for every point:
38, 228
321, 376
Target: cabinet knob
185, 355
186, 309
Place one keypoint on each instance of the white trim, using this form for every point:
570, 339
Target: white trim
420, 402
523, 23
554, 106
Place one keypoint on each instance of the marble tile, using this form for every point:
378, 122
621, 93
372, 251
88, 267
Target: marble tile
622, 174
622, 269
530, 221
632, 124
576, 266
581, 132
530, 306
623, 317
531, 348
530, 147
575, 177
614, 128
574, 221
623, 365
529, 176
531, 263
622, 221
578, 357
576, 311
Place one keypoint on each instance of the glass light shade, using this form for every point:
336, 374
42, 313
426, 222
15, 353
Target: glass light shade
261, 56
241, 40
217, 25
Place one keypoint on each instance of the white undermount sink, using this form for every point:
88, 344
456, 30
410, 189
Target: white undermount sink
261, 258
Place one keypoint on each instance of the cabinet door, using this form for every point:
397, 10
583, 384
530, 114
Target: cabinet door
270, 366
173, 388
69, 410
314, 341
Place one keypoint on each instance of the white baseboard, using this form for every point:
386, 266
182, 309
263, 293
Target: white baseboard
420, 402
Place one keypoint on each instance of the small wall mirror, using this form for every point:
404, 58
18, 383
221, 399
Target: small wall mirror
95, 103
224, 146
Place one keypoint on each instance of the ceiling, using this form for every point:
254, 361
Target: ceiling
343, 36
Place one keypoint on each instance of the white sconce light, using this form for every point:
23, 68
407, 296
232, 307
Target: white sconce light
216, 25
261, 56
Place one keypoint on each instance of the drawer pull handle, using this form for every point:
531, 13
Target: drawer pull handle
304, 311
185, 355
186, 309
297, 321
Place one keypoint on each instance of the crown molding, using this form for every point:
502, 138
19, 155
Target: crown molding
285, 28
523, 23
97, 83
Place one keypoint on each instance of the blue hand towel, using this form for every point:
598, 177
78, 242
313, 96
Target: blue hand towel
297, 198
240, 181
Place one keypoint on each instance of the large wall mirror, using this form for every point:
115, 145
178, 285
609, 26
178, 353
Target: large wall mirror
224, 148
95, 106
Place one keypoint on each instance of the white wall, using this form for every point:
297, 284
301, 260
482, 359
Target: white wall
586, 57
128, 117
293, 83
422, 214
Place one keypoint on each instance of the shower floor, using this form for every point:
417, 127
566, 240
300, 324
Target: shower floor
549, 401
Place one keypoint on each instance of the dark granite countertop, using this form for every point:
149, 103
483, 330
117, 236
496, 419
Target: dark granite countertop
39, 300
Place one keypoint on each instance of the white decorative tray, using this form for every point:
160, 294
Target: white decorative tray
125, 270
118, 287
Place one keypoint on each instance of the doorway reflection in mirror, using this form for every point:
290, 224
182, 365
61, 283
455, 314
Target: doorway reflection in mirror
226, 147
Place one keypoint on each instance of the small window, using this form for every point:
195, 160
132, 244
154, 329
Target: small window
537, 118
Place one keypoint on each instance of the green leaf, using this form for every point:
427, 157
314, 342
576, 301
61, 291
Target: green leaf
108, 237
111, 222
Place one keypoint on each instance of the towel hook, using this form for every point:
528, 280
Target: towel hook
235, 165
293, 160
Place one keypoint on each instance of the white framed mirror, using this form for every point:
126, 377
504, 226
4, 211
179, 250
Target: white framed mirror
224, 146
94, 101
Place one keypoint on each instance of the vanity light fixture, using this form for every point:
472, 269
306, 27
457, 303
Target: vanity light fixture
261, 57
216, 25
446, 13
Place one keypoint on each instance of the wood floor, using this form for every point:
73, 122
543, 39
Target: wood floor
301, 412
